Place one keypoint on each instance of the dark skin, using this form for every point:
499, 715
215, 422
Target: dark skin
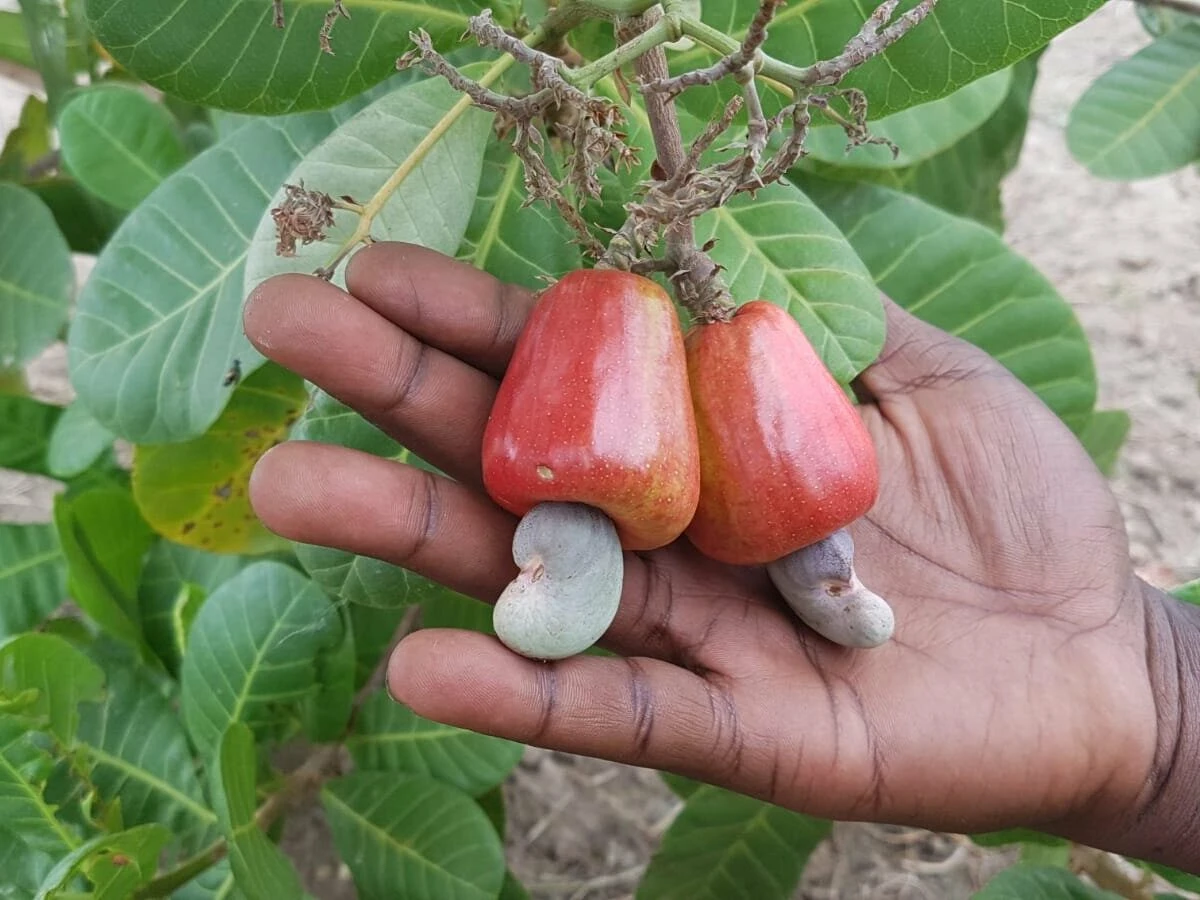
1033, 679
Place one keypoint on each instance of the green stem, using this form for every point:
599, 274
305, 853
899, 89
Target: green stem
586, 76
190, 868
768, 66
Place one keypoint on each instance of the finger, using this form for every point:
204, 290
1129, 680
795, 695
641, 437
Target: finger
917, 356
446, 303
432, 403
638, 711
334, 497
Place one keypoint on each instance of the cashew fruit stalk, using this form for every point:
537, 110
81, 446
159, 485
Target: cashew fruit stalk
595, 409
569, 586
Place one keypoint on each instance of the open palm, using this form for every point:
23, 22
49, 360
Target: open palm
1015, 690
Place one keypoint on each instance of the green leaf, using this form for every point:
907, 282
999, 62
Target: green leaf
960, 41
104, 540
327, 711
213, 884
36, 276
85, 221
29, 141
1142, 117
374, 627
252, 651
33, 576
351, 578
196, 492
1185, 880
62, 676
25, 428
229, 56
919, 131
963, 278
159, 320
46, 29
1017, 836
24, 767
23, 868
514, 242
781, 247
1039, 883
119, 143
390, 737
680, 786
139, 755
76, 442
431, 207
1189, 593
1102, 435
413, 837
725, 846
260, 869
451, 610
115, 864
175, 581
965, 178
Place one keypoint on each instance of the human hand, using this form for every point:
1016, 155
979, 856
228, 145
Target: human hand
1017, 688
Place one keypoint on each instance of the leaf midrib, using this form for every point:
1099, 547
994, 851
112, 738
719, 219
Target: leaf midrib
152, 780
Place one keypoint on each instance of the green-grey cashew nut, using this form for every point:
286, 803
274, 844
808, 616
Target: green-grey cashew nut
820, 585
569, 586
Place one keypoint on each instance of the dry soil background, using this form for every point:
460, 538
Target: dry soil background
1127, 257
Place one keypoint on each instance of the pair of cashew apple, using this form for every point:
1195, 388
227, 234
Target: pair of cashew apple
614, 431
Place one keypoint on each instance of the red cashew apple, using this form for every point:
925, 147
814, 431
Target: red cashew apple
595, 409
785, 459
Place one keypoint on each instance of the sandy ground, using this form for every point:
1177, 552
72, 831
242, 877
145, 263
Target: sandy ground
1127, 256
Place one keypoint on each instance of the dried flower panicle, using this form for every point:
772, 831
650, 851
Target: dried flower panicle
302, 217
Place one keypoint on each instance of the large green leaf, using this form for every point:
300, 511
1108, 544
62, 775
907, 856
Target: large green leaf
1142, 116
139, 755
781, 247
516, 243
25, 764
727, 846
1024, 882
964, 178
104, 540
119, 143
159, 321
431, 207
390, 737
228, 55
963, 278
412, 837
23, 868
253, 651
960, 41
919, 132
36, 276
25, 428
114, 864
260, 869
196, 492
165, 603
61, 675
33, 576
351, 578
374, 627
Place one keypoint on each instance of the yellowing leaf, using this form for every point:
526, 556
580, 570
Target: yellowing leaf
195, 492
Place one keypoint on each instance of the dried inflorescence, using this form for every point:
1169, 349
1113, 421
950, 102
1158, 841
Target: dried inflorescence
302, 217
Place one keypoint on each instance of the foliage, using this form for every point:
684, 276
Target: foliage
157, 645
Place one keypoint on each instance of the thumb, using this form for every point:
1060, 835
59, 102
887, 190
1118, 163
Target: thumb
917, 357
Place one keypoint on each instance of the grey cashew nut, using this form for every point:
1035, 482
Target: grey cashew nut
569, 586
820, 585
